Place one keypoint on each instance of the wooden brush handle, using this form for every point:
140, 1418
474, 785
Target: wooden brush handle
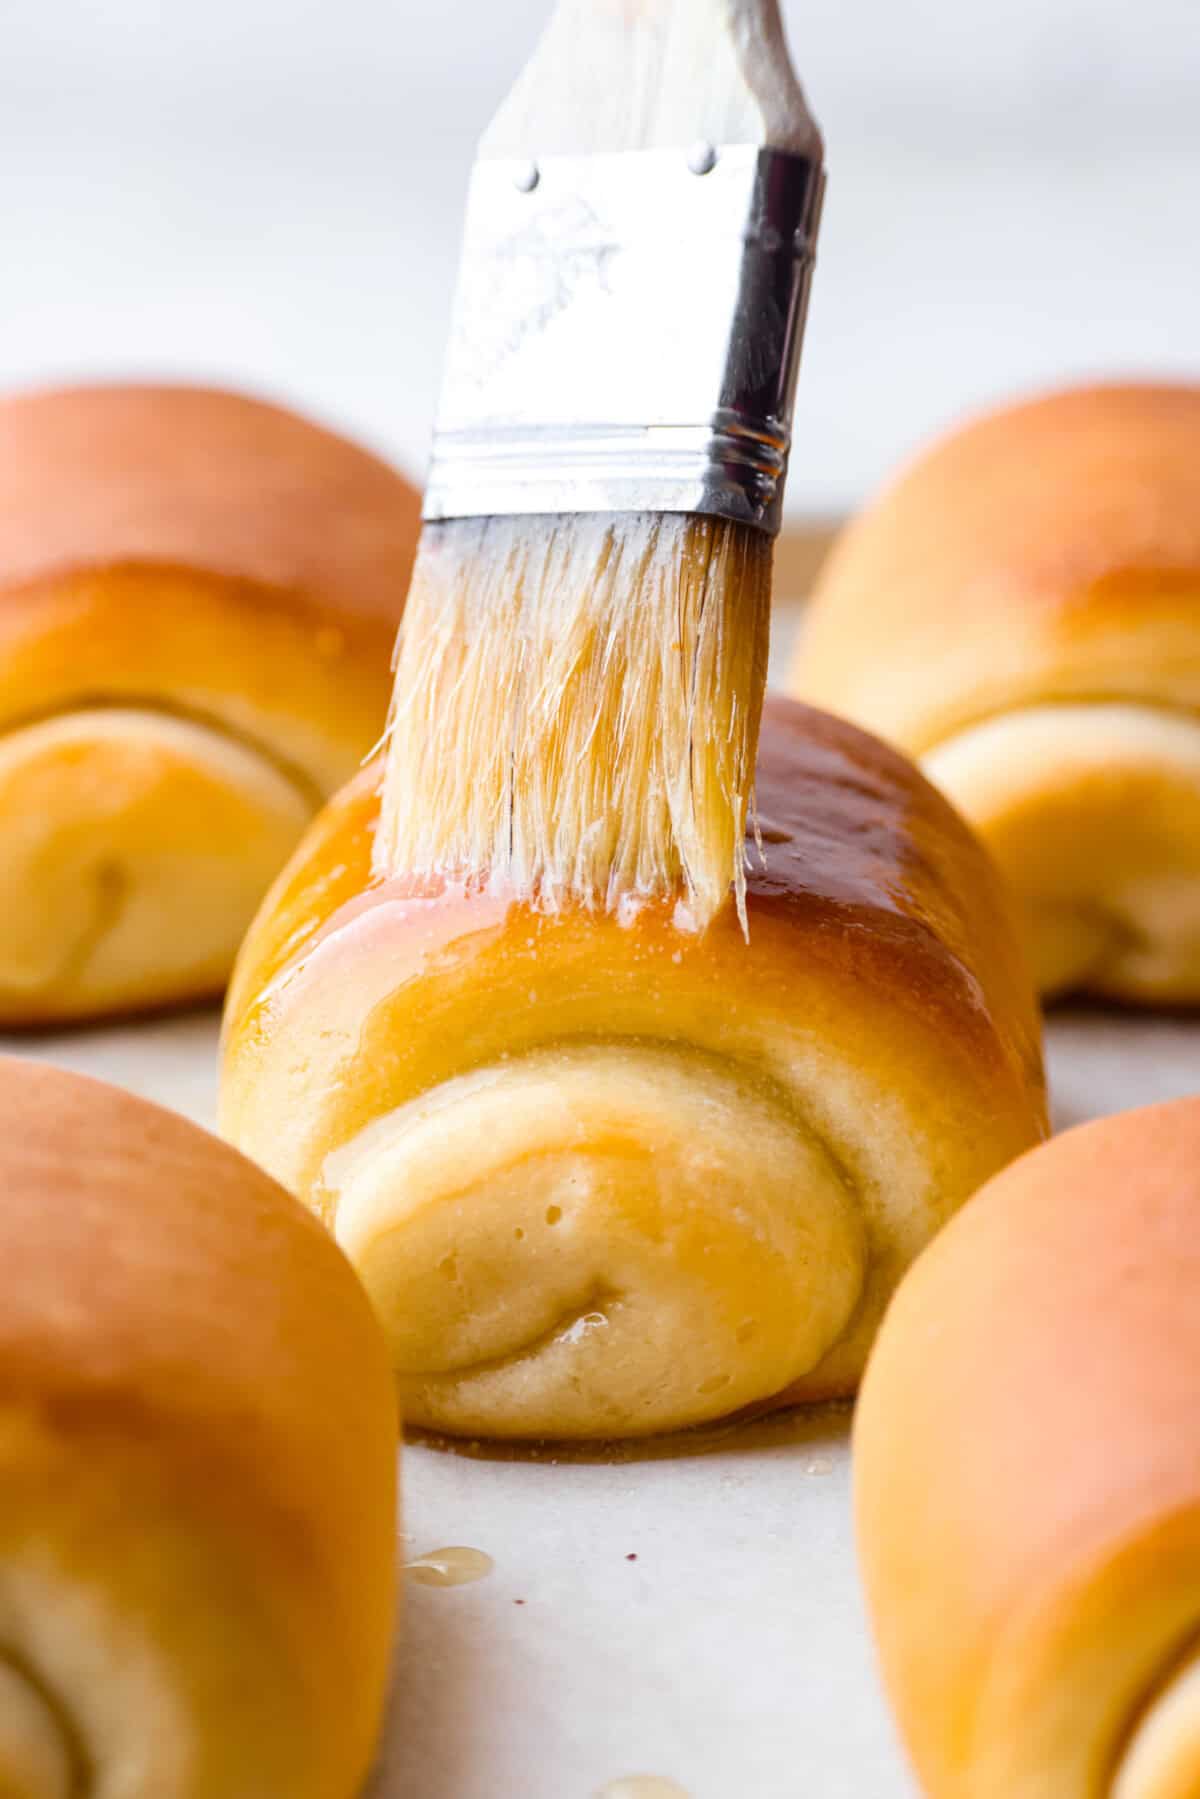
655, 74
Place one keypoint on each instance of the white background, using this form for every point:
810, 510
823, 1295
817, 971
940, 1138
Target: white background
267, 191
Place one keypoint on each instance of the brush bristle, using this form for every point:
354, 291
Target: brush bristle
576, 709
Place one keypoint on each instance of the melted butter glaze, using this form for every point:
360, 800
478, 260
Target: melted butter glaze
456, 1566
881, 980
864, 858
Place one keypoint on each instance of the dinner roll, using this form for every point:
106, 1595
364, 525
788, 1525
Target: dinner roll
1021, 610
198, 596
1027, 1453
603, 1176
197, 1467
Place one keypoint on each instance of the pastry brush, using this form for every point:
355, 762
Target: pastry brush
581, 666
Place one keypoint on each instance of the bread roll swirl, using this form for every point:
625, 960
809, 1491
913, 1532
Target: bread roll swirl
198, 594
1021, 610
603, 1176
39, 1758
629, 1170
1028, 1476
197, 1467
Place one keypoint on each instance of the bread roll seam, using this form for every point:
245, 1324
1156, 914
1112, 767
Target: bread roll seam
82, 1771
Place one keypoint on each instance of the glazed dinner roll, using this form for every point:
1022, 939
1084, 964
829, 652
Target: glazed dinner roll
603, 1176
1021, 610
198, 596
1027, 1452
197, 1467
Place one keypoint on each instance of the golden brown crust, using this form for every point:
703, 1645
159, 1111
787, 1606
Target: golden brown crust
1049, 550
199, 557
1028, 1464
881, 962
267, 667
191, 477
207, 551
862, 859
184, 1354
1021, 609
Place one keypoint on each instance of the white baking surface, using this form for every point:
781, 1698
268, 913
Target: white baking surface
731, 1656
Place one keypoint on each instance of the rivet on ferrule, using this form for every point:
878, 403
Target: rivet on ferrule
626, 338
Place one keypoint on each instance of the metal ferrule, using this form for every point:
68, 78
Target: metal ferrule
626, 335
